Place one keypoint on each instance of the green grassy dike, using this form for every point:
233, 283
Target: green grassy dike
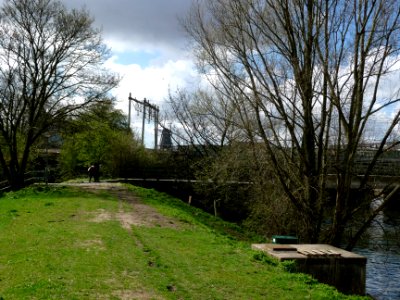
53, 245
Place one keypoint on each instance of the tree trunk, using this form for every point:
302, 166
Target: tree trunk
17, 181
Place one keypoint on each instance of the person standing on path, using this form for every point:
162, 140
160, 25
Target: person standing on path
92, 172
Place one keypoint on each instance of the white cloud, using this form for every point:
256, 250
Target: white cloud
152, 82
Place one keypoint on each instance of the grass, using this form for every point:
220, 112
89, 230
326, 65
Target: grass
51, 248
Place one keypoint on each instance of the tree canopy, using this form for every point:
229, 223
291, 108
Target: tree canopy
305, 82
50, 66
100, 135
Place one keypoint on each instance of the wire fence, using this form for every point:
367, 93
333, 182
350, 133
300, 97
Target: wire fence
30, 178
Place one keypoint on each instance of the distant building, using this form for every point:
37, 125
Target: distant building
166, 139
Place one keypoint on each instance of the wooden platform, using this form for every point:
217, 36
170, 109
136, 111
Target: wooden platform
343, 269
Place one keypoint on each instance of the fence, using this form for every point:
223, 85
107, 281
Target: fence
30, 178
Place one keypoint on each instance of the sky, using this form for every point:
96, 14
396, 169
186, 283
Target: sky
149, 49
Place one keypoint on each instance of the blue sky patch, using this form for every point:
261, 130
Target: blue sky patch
142, 59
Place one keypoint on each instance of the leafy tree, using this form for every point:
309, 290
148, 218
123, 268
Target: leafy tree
305, 82
100, 135
50, 66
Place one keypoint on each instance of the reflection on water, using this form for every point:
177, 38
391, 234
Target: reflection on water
383, 257
383, 273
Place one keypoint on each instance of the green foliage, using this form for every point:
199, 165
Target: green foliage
289, 266
100, 135
257, 200
52, 66
266, 259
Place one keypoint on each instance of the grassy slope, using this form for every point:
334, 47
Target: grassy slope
50, 248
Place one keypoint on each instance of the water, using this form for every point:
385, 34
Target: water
383, 257
383, 274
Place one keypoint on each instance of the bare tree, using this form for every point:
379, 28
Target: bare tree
306, 79
50, 65
206, 120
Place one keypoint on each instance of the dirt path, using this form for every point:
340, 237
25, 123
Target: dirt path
140, 215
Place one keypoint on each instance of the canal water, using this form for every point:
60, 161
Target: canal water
383, 256
383, 274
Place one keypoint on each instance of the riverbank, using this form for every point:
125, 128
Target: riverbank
113, 242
